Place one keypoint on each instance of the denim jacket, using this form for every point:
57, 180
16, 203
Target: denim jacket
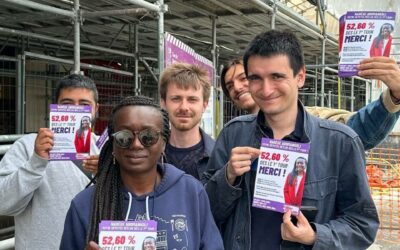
336, 184
375, 121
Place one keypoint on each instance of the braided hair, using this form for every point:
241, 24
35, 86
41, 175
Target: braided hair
107, 200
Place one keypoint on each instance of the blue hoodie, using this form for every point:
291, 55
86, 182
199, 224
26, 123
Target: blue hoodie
179, 204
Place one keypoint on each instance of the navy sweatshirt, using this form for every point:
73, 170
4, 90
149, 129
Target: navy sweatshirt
179, 204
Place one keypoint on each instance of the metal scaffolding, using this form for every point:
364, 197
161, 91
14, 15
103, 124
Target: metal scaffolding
188, 26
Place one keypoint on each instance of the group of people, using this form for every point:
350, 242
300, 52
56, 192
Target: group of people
160, 165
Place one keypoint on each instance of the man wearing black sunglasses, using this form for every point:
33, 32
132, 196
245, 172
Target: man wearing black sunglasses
184, 91
36, 191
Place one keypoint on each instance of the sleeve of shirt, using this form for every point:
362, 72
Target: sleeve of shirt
223, 196
375, 121
356, 222
74, 235
21, 173
210, 236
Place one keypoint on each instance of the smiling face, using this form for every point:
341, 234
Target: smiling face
85, 122
300, 166
238, 87
272, 84
185, 106
149, 244
386, 30
138, 158
78, 96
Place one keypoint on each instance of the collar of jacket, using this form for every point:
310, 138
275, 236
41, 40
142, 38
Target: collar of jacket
301, 131
208, 143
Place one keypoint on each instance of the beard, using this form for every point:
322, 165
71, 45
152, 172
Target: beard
184, 126
191, 121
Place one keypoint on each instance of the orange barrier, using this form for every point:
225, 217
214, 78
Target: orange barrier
384, 179
375, 174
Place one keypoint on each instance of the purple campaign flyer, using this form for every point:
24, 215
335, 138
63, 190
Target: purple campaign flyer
102, 139
177, 51
366, 34
71, 125
128, 234
281, 173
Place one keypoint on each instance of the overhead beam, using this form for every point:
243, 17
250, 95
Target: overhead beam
83, 65
147, 5
66, 42
43, 7
103, 13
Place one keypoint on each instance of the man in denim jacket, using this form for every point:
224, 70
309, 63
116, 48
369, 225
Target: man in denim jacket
372, 123
336, 182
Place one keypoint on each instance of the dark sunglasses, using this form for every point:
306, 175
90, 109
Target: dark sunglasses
147, 137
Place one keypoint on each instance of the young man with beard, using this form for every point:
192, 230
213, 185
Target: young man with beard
336, 183
372, 123
184, 91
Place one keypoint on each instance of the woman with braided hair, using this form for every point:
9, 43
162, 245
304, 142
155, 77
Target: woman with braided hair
133, 185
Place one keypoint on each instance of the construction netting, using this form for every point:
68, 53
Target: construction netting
383, 170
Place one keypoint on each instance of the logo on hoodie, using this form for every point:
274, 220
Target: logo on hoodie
180, 224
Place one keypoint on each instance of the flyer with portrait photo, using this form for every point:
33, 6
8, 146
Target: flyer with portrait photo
128, 234
281, 174
71, 125
365, 34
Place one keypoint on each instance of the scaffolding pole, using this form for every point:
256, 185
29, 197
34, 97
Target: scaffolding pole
137, 11
214, 48
161, 36
147, 66
43, 7
71, 62
77, 39
237, 12
147, 5
273, 17
136, 51
66, 42
214, 80
316, 83
315, 66
20, 94
321, 11
289, 16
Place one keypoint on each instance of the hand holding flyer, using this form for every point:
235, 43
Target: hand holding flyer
71, 125
365, 34
281, 173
